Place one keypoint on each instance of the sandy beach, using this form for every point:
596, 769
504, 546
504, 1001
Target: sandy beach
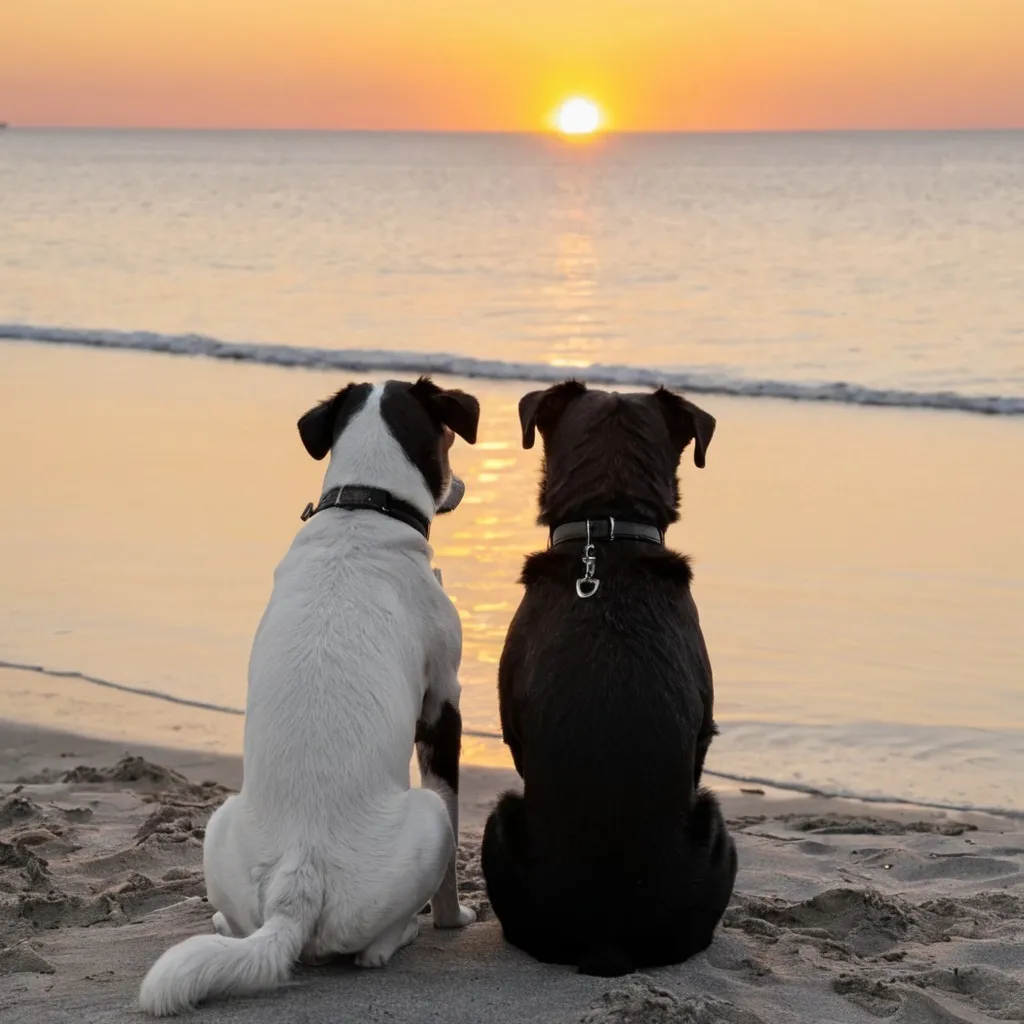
840, 914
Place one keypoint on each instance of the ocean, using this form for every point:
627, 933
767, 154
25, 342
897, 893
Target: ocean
850, 306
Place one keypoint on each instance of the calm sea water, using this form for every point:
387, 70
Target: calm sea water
891, 261
863, 269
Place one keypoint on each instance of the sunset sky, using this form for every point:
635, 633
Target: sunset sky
501, 66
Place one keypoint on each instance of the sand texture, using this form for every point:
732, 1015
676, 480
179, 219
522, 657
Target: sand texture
837, 916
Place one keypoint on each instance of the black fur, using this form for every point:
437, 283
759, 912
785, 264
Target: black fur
319, 428
614, 858
687, 422
544, 408
416, 414
438, 745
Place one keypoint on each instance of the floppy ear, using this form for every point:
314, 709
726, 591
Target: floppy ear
455, 409
319, 426
544, 409
460, 412
687, 422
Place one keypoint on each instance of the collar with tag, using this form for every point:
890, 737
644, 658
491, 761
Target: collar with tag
608, 528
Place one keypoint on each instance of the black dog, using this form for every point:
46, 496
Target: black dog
613, 858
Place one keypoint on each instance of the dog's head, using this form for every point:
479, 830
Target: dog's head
396, 436
611, 454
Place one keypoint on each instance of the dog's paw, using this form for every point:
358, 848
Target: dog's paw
221, 926
465, 916
373, 958
378, 953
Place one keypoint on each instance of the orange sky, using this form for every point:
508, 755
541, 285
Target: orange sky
490, 65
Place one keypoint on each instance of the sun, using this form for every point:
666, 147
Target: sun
578, 116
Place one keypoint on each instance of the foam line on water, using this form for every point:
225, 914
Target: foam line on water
83, 677
170, 698
867, 798
792, 787
384, 360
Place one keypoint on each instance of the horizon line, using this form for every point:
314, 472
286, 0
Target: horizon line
953, 129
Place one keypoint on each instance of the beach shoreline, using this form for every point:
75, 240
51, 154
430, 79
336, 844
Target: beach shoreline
30, 750
842, 912
125, 560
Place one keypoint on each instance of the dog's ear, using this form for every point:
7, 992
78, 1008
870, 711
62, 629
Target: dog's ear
457, 410
686, 422
543, 409
321, 425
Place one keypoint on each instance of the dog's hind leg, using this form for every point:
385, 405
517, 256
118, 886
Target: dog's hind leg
504, 862
528, 918
438, 745
690, 906
417, 863
229, 884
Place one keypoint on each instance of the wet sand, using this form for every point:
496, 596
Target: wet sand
859, 572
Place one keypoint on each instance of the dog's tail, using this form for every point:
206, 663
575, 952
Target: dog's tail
207, 966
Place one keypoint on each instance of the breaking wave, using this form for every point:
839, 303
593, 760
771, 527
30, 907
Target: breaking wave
383, 360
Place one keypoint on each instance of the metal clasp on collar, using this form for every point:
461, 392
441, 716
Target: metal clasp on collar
307, 512
587, 585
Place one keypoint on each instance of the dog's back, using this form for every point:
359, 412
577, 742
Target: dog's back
353, 610
621, 839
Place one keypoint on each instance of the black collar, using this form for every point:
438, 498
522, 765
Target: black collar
606, 528
373, 499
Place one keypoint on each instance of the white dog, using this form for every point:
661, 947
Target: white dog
327, 850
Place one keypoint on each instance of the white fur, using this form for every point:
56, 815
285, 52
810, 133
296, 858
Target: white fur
327, 850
